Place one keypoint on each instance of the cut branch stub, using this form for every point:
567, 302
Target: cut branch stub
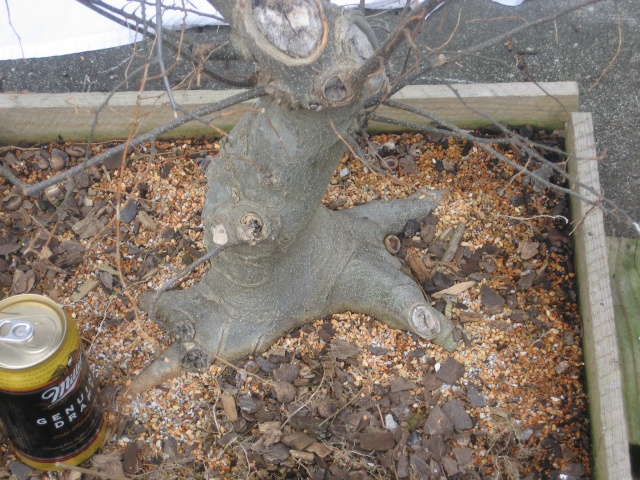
293, 27
241, 224
425, 322
307, 51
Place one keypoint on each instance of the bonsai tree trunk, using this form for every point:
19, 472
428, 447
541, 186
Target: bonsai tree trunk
285, 258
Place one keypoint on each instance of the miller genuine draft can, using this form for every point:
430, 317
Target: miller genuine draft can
48, 402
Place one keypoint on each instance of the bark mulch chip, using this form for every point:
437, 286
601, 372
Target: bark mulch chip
377, 440
286, 372
402, 384
285, 392
130, 461
450, 371
454, 409
344, 397
438, 423
475, 398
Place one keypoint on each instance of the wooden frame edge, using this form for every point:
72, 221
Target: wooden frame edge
609, 437
72, 115
624, 263
37, 118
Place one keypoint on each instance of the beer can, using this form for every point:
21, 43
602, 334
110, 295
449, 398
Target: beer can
48, 402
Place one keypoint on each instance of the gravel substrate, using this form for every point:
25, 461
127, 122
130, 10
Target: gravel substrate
345, 396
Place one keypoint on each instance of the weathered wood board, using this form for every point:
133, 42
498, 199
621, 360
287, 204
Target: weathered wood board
36, 118
624, 262
609, 437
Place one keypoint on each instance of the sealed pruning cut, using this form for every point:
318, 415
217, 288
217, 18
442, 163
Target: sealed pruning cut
344, 395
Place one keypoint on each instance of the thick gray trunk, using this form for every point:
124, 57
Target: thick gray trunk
286, 259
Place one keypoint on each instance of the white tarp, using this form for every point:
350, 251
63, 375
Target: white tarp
46, 28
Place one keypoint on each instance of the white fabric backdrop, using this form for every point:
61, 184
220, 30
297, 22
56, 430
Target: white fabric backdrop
46, 28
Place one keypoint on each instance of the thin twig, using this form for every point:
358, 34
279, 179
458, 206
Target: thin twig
615, 57
462, 134
526, 219
406, 79
133, 22
120, 185
6, 2
165, 77
376, 171
94, 123
304, 404
210, 254
353, 399
448, 40
89, 471
242, 370
189, 10
377, 60
512, 134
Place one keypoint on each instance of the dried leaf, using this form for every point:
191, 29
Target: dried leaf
271, 433
108, 268
430, 261
489, 298
377, 440
320, 449
146, 220
107, 281
89, 226
418, 268
229, 406
455, 289
528, 249
468, 317
302, 456
408, 165
131, 462
129, 211
23, 281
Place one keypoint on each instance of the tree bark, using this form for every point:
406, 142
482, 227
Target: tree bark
286, 259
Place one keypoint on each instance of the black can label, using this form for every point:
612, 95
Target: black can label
58, 421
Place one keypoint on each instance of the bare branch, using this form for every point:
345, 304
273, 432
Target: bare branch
188, 10
6, 2
133, 22
163, 70
412, 76
512, 134
399, 35
615, 56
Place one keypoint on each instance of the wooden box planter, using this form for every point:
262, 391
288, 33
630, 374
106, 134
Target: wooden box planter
608, 280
